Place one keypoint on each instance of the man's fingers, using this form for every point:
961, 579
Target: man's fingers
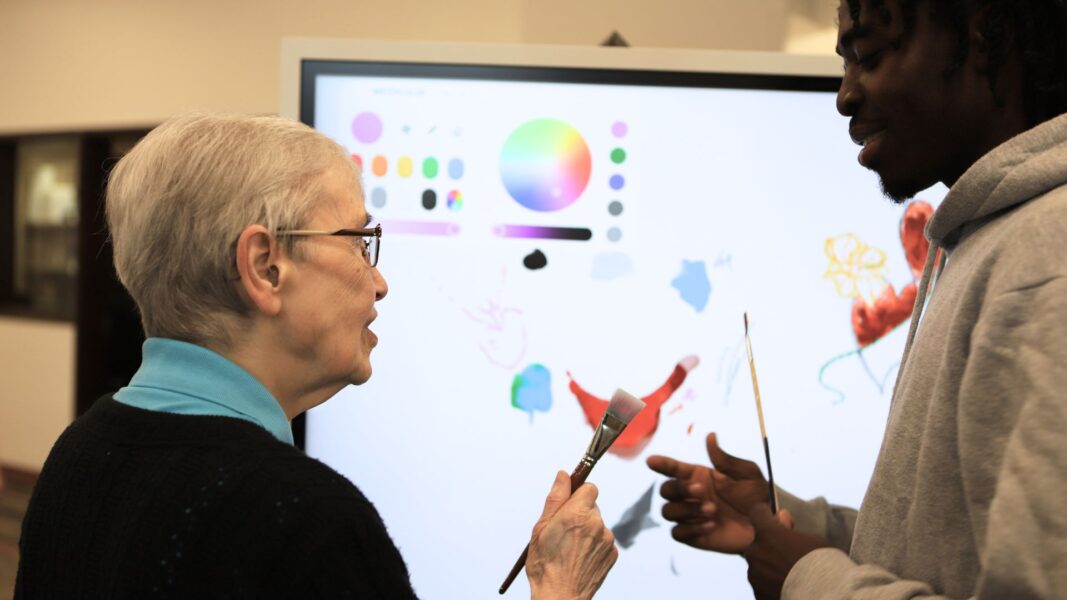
684, 532
560, 492
738, 468
665, 465
786, 518
680, 490
682, 512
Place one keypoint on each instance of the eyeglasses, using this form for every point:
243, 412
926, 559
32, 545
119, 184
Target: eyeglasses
369, 243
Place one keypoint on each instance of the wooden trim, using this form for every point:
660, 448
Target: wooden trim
94, 267
109, 335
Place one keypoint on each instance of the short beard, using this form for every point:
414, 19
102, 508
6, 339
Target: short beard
897, 195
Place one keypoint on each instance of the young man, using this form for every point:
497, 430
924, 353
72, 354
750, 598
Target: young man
967, 495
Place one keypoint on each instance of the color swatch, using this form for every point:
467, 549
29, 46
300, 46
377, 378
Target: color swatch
367, 127
545, 165
430, 167
455, 168
379, 165
454, 200
429, 199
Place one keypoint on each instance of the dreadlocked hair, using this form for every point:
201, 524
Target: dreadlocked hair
1036, 28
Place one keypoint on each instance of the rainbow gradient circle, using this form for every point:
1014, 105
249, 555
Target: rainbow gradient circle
454, 200
545, 165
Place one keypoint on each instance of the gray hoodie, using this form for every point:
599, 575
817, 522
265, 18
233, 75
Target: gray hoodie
969, 496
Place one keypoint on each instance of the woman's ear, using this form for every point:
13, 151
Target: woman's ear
261, 266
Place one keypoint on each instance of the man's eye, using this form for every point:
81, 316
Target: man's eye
867, 59
870, 59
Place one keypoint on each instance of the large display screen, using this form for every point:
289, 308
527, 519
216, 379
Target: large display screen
551, 235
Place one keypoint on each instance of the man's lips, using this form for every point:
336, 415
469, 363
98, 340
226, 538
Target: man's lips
861, 132
866, 133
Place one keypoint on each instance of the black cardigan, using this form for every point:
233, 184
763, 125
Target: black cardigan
139, 504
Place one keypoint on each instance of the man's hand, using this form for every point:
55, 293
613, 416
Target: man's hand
571, 551
775, 549
694, 500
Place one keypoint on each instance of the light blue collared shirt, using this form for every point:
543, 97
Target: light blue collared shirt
186, 379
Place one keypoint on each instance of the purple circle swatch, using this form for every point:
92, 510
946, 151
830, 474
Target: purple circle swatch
616, 182
367, 127
618, 129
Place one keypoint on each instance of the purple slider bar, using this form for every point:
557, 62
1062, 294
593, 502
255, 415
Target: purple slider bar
540, 232
420, 227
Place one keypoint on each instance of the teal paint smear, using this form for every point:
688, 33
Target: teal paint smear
531, 390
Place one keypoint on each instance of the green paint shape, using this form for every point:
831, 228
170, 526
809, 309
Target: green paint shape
618, 156
429, 168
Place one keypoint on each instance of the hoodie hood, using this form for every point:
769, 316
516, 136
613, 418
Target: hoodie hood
1018, 170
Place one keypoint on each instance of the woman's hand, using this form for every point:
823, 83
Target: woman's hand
571, 550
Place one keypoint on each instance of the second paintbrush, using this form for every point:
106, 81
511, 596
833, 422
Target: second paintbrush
773, 493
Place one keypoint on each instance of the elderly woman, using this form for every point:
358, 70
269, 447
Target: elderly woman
245, 243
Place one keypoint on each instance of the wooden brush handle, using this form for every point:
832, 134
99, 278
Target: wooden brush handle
577, 479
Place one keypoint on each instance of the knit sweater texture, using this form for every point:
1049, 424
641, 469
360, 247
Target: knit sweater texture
140, 504
967, 497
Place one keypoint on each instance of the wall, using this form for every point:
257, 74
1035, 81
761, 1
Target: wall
36, 388
70, 64
722, 24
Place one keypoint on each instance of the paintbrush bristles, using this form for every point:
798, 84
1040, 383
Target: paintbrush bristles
624, 406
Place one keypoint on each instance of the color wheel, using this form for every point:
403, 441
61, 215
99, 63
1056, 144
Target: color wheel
545, 165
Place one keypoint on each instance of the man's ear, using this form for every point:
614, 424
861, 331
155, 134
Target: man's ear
984, 22
262, 267
998, 57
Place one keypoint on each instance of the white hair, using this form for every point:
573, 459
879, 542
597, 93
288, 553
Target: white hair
178, 201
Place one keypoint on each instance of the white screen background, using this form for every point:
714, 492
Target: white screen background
752, 183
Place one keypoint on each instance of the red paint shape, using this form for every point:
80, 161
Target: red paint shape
912, 236
872, 321
639, 432
689, 431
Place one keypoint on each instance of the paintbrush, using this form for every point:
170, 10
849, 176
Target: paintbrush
762, 427
621, 410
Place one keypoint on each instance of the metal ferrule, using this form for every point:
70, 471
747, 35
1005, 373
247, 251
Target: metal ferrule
609, 429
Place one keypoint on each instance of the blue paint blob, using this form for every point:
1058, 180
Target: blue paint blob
531, 390
693, 284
